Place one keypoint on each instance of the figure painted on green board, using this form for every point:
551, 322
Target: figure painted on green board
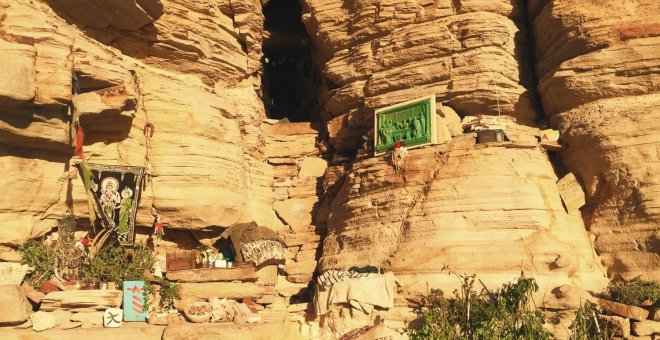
409, 122
422, 121
125, 210
417, 127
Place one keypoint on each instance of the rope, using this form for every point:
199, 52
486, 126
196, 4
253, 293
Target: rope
148, 133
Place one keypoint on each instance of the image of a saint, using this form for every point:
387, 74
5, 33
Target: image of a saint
125, 210
110, 198
422, 120
417, 127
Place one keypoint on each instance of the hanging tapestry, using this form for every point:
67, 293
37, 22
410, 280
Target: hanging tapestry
116, 193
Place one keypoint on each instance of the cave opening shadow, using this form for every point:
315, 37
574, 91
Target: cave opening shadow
290, 81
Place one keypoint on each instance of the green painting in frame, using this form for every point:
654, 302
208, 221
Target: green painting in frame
411, 123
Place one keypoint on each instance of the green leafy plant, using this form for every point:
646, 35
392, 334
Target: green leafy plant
118, 264
634, 292
586, 327
507, 313
42, 258
169, 293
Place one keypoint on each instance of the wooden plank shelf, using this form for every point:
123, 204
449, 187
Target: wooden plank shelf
213, 274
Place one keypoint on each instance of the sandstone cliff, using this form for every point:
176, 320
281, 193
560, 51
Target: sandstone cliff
597, 62
207, 151
474, 55
192, 70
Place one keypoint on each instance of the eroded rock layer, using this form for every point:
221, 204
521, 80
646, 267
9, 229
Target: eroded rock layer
473, 55
599, 76
206, 154
465, 208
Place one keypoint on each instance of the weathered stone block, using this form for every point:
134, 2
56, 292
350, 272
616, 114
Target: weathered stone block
93, 299
296, 212
626, 311
312, 167
17, 73
645, 327
42, 321
15, 307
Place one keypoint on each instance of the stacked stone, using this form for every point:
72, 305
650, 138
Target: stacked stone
298, 167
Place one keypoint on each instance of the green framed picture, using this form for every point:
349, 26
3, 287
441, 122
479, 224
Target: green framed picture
411, 123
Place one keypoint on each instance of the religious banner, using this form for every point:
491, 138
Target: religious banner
411, 123
116, 192
134, 301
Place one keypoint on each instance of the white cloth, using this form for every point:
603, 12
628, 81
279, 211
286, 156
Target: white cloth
362, 292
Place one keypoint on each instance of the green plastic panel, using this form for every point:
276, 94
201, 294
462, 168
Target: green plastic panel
411, 123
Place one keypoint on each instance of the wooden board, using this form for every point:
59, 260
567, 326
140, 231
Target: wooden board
213, 275
94, 299
230, 290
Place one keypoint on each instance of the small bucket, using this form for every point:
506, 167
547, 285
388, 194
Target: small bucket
490, 136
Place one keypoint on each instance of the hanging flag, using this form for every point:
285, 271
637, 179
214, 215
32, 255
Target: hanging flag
87, 178
80, 136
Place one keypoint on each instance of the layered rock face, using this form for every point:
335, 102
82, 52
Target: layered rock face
207, 39
599, 74
472, 54
191, 69
206, 153
494, 210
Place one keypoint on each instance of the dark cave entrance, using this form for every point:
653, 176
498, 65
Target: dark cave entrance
290, 79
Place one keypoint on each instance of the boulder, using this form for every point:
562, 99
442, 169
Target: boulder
42, 321
296, 212
571, 193
442, 132
626, 311
15, 307
312, 167
646, 327
450, 118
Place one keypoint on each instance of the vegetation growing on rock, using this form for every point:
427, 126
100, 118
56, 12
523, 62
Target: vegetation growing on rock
634, 292
40, 257
508, 313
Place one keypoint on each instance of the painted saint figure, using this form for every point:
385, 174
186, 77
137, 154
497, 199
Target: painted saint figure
110, 198
408, 131
422, 120
125, 210
417, 127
